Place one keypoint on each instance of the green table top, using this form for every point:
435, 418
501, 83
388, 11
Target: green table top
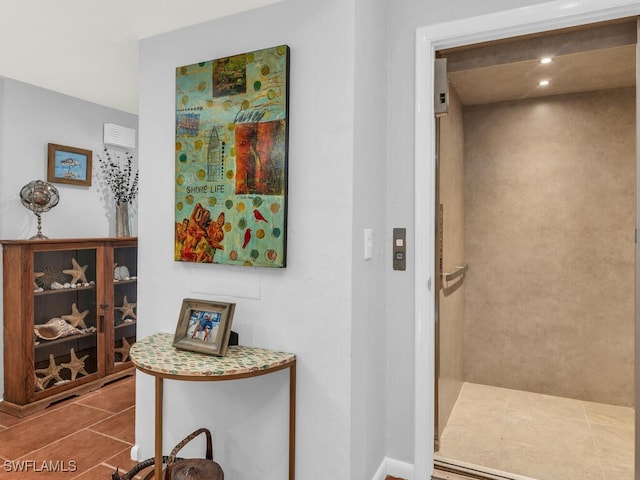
157, 355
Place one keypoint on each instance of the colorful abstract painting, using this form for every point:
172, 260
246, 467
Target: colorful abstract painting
231, 159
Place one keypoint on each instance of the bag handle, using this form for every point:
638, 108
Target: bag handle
187, 439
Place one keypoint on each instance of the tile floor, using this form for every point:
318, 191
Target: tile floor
540, 436
81, 438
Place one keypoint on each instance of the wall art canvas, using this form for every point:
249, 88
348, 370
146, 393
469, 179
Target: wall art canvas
231, 159
68, 165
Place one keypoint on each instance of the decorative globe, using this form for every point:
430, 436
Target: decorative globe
39, 197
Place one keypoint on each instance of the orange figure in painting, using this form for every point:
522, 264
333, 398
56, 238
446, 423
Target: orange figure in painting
198, 237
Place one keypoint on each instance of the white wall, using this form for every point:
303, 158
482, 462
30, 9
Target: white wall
331, 201
368, 356
30, 118
306, 308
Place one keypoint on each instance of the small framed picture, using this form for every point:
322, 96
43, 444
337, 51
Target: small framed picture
204, 326
69, 165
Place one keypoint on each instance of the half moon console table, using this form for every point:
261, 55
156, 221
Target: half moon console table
156, 355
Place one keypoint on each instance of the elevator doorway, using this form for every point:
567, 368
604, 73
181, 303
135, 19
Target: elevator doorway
463, 379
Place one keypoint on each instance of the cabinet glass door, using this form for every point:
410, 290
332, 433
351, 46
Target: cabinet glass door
65, 318
125, 298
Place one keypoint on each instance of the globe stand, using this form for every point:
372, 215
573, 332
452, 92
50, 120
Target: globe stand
39, 235
39, 197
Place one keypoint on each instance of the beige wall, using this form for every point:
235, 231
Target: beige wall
549, 236
451, 318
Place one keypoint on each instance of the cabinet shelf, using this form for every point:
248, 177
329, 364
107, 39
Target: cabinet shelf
42, 343
61, 291
33, 366
123, 325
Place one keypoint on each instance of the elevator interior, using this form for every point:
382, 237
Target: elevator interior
537, 195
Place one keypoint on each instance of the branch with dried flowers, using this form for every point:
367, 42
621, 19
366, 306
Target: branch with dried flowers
119, 176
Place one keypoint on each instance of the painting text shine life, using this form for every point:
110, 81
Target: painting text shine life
231, 159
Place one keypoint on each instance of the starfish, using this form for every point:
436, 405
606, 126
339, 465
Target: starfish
52, 370
124, 349
75, 365
127, 309
76, 318
77, 272
41, 382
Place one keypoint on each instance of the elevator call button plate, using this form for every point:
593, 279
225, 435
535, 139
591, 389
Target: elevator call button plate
399, 249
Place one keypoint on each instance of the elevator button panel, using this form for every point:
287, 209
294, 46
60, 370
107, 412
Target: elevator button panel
399, 248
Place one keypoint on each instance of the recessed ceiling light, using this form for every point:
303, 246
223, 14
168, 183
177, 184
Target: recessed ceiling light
545, 60
543, 83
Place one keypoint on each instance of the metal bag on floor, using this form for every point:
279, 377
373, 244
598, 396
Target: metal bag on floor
181, 468
193, 468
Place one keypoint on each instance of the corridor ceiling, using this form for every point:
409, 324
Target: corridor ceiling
89, 49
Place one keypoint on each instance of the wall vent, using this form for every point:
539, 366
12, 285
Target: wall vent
119, 136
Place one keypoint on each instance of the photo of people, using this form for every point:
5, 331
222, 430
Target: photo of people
203, 325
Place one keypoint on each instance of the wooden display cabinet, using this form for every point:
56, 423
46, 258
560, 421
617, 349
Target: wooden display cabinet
63, 340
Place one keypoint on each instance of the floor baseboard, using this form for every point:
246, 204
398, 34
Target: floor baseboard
391, 469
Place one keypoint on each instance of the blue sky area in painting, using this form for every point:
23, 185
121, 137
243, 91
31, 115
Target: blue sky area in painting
70, 165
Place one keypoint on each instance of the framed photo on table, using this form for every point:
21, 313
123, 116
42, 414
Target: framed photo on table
69, 165
204, 326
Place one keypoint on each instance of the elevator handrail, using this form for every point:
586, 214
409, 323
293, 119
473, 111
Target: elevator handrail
459, 271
